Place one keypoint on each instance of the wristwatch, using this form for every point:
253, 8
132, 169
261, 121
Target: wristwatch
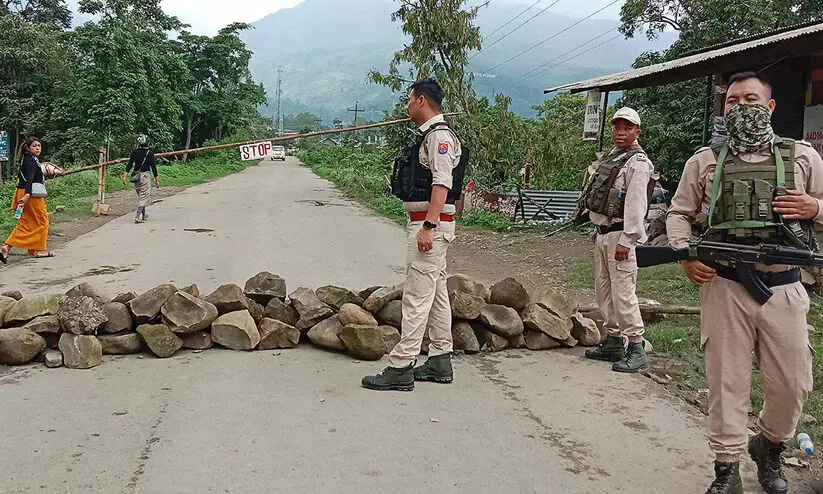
428, 225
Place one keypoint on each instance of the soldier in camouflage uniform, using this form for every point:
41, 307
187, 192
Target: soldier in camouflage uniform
753, 187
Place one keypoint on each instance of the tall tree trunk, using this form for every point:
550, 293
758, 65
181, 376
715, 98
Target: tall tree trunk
188, 136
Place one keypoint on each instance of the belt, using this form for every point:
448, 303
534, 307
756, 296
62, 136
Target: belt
602, 230
770, 279
421, 216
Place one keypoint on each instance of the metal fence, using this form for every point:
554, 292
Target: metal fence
544, 205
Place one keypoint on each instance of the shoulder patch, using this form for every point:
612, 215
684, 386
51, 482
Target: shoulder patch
443, 147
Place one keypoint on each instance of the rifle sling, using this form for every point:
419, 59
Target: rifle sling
770, 279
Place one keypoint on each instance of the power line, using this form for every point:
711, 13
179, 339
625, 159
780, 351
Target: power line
553, 35
515, 29
513, 18
531, 72
576, 55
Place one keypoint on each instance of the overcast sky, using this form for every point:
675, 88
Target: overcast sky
208, 16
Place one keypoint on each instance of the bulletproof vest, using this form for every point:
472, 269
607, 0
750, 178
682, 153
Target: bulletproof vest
742, 195
412, 182
600, 195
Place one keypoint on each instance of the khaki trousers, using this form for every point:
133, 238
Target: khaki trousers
615, 289
733, 326
426, 306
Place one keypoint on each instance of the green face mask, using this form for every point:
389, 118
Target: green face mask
749, 127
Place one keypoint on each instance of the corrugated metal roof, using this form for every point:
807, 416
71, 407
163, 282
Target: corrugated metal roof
762, 50
560, 203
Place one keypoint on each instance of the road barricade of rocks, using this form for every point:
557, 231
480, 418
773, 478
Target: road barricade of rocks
77, 328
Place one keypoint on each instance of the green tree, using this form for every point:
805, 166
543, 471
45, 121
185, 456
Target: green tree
39, 11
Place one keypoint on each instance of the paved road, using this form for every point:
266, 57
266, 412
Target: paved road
297, 420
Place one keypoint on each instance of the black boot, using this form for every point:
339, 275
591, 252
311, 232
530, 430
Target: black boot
391, 379
766, 455
611, 350
635, 360
436, 369
726, 479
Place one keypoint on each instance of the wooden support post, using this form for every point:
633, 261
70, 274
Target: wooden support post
603, 119
100, 207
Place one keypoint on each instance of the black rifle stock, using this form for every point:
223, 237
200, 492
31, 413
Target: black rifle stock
742, 258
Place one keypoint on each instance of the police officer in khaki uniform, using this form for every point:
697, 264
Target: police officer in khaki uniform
434, 167
617, 197
751, 189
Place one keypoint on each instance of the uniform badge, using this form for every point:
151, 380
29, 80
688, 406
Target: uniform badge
443, 147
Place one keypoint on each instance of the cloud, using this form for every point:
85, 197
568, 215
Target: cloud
208, 16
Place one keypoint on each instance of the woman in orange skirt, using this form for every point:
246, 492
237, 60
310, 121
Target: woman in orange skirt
32, 230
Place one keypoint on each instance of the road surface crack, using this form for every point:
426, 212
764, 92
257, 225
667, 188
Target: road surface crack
145, 453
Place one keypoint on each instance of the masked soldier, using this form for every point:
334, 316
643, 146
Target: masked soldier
755, 188
617, 196
428, 177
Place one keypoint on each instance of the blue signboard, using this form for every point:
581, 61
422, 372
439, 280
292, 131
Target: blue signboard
4, 146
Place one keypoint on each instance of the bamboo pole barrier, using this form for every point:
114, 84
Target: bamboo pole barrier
236, 144
657, 309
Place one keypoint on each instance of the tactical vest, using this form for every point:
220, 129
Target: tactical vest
600, 195
412, 182
742, 195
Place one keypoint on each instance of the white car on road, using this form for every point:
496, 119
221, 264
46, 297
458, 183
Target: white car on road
278, 153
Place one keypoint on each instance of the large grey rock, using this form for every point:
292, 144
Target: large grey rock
13, 294
197, 341
125, 297
464, 338
465, 284
336, 297
160, 339
277, 334
146, 307
537, 340
236, 330
585, 330
364, 294
465, 305
392, 314
19, 346
80, 351
310, 308
192, 290
53, 358
364, 342
353, 314
44, 325
125, 343
119, 318
89, 290
256, 310
537, 318
228, 298
26, 309
569, 342
391, 337
265, 286
184, 313
510, 293
502, 321
326, 334
280, 311
518, 341
556, 302
6, 303
496, 343
313, 319
381, 297
81, 315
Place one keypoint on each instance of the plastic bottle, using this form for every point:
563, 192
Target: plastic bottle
19, 212
805, 443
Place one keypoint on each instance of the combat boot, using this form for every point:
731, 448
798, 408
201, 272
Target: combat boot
391, 379
726, 479
634, 361
611, 350
766, 455
436, 369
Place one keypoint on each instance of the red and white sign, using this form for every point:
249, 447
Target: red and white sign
813, 127
256, 151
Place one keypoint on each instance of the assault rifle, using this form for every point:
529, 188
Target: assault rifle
741, 258
575, 220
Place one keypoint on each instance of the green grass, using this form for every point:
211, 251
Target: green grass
487, 220
76, 192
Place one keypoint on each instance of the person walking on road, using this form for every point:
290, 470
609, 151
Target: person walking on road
428, 177
144, 163
617, 197
32, 230
755, 188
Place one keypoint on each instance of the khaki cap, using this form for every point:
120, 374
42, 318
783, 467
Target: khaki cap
628, 114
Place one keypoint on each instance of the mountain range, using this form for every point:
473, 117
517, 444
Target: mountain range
326, 48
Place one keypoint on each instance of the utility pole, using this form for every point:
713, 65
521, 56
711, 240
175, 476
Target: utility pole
279, 95
356, 110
